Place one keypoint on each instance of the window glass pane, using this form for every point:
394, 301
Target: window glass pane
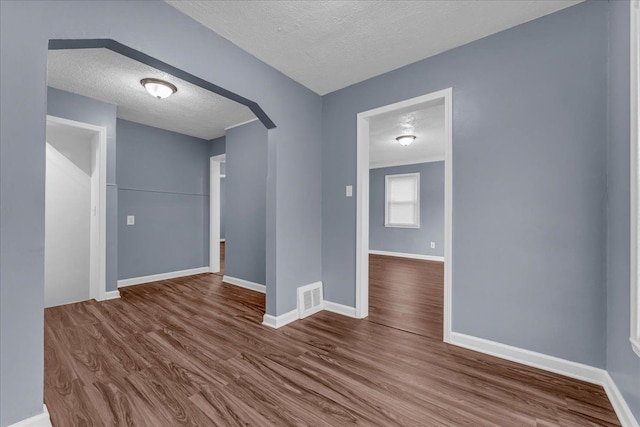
402, 189
402, 200
402, 213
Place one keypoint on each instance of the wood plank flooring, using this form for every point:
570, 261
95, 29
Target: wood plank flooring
192, 351
407, 294
221, 272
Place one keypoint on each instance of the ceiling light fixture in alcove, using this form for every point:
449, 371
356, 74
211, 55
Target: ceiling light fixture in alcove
158, 88
405, 140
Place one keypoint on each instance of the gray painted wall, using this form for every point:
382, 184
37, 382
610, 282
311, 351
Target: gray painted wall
518, 96
87, 110
529, 181
245, 227
293, 234
163, 180
622, 363
217, 146
409, 240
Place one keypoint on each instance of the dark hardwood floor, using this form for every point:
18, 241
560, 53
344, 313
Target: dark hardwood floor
221, 272
406, 294
192, 351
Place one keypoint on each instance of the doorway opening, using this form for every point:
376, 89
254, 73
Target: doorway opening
364, 141
216, 213
75, 211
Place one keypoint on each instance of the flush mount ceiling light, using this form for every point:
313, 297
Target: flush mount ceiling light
158, 88
405, 140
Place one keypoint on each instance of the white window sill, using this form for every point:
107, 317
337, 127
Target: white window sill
401, 226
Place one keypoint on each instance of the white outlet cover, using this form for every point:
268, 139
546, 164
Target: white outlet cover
349, 190
433, 245
131, 219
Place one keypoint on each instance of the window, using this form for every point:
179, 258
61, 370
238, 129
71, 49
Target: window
635, 176
402, 200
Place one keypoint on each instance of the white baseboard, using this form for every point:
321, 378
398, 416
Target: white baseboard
552, 364
619, 404
530, 358
406, 255
344, 310
245, 284
163, 276
276, 322
110, 295
40, 420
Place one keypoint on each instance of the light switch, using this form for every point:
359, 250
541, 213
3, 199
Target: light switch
349, 190
131, 220
433, 245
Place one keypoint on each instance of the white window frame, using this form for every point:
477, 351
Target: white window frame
388, 178
635, 175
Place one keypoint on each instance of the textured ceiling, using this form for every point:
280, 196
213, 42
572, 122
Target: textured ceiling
328, 45
108, 76
426, 123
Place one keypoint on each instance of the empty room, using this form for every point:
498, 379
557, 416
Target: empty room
322, 213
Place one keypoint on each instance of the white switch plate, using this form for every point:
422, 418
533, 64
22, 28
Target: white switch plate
349, 190
433, 245
131, 220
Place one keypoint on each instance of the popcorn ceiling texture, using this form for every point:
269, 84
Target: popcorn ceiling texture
328, 45
426, 123
108, 76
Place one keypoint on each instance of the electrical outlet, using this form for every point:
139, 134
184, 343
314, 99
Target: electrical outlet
349, 190
433, 245
131, 220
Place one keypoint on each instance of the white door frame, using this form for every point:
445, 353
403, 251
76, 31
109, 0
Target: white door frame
362, 195
214, 212
98, 268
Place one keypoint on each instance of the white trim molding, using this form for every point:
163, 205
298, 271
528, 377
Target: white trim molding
407, 255
380, 165
163, 276
553, 364
245, 284
276, 322
240, 124
110, 295
344, 310
40, 420
625, 416
362, 200
530, 358
634, 336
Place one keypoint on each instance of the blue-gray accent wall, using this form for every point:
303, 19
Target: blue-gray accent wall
293, 229
529, 181
530, 161
245, 186
163, 180
409, 240
87, 110
622, 363
217, 146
